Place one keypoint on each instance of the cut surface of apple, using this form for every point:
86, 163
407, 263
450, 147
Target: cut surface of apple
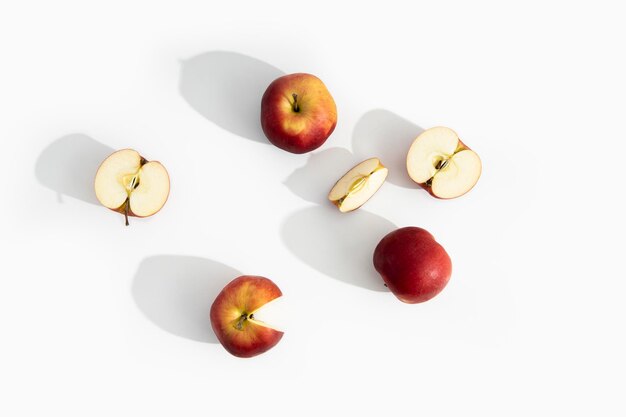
129, 184
358, 185
442, 164
233, 316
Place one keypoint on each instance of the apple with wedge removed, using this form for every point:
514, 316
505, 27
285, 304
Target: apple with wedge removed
413, 265
442, 164
358, 185
232, 316
298, 113
129, 184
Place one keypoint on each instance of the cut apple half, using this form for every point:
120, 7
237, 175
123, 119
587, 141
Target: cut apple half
233, 316
129, 184
358, 185
442, 164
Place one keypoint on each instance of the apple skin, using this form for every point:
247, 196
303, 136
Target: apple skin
122, 210
413, 265
303, 130
242, 297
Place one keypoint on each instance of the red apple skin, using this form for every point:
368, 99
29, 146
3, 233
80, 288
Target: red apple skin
242, 297
303, 130
413, 265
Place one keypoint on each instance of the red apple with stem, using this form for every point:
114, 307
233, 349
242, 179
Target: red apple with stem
298, 113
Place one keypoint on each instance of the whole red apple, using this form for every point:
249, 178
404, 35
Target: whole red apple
232, 316
413, 265
298, 113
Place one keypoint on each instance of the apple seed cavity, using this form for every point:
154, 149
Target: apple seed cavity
131, 182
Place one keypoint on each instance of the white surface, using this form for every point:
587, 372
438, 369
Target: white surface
98, 319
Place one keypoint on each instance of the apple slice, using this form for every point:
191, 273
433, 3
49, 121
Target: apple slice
358, 185
442, 164
232, 316
129, 184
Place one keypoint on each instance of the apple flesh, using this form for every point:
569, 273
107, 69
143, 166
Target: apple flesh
442, 164
358, 185
129, 184
232, 316
413, 265
298, 113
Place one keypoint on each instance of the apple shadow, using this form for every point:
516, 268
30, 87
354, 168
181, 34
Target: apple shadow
313, 181
340, 245
387, 136
226, 88
69, 164
176, 292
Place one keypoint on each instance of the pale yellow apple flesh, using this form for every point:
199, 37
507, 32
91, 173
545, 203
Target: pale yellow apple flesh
441, 163
258, 316
458, 176
358, 185
127, 183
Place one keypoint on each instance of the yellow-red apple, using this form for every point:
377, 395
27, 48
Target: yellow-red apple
232, 316
298, 113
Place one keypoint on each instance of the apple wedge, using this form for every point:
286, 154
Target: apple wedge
442, 164
232, 316
129, 184
358, 185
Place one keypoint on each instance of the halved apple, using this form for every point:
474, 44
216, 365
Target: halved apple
129, 184
232, 316
442, 164
358, 185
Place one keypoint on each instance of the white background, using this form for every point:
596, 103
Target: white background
98, 319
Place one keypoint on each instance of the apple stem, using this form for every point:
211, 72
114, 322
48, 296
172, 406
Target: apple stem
126, 204
242, 319
295, 106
